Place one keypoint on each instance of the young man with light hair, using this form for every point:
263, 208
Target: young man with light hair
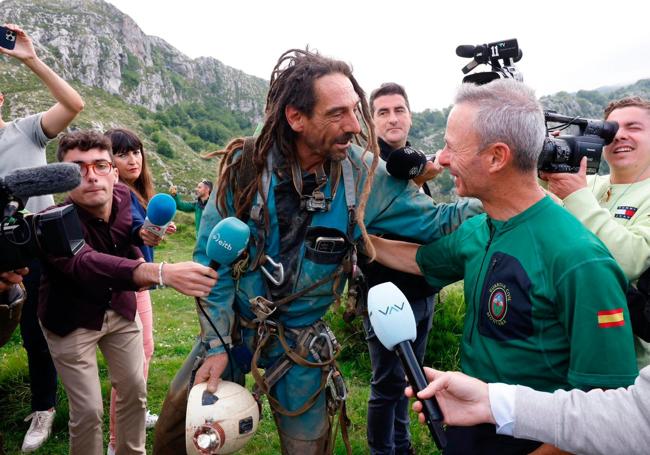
616, 207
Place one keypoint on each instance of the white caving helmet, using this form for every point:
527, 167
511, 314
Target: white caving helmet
222, 422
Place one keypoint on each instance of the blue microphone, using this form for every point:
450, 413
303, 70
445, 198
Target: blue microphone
227, 241
160, 212
393, 322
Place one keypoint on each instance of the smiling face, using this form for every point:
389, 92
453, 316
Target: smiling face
628, 155
95, 192
328, 132
461, 152
392, 119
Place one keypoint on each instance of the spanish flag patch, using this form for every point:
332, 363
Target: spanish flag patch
611, 318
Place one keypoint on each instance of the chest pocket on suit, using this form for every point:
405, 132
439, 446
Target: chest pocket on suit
505, 311
325, 249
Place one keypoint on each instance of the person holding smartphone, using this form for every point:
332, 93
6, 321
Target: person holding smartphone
22, 144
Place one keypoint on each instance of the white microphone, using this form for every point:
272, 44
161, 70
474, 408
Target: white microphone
393, 322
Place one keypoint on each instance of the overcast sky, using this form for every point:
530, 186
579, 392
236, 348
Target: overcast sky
567, 45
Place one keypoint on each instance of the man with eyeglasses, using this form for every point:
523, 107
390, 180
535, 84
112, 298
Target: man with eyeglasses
88, 301
202, 190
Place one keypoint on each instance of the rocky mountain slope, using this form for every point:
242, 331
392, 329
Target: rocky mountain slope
181, 107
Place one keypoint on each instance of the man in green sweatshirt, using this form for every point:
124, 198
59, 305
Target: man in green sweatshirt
616, 207
202, 190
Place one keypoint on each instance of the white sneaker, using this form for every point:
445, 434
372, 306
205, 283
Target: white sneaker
150, 420
39, 430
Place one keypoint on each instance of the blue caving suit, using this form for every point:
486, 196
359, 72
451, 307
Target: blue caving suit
393, 206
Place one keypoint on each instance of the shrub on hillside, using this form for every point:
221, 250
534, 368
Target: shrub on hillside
164, 148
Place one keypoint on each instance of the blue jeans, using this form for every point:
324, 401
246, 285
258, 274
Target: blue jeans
388, 418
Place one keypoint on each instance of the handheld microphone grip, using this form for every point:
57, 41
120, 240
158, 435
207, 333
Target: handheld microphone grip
160, 212
430, 408
394, 325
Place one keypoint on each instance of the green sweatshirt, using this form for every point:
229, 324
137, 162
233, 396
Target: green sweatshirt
620, 216
545, 301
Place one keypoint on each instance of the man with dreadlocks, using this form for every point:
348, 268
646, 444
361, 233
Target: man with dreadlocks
309, 196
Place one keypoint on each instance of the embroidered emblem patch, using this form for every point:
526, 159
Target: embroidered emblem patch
625, 211
498, 303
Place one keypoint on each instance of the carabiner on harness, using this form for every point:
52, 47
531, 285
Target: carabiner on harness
278, 269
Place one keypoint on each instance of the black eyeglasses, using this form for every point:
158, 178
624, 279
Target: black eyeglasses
99, 167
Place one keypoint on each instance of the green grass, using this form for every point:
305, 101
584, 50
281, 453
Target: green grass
175, 329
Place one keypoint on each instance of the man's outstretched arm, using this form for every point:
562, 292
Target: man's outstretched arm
397, 255
577, 421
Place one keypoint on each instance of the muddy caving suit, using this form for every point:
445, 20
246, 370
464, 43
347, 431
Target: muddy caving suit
278, 326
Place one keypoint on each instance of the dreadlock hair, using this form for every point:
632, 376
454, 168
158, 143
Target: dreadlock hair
292, 84
124, 141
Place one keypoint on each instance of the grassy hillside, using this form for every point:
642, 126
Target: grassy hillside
175, 328
172, 160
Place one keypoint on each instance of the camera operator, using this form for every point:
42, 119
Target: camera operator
87, 301
22, 144
616, 207
545, 301
388, 420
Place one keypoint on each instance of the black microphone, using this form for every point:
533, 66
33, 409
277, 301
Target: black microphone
392, 321
41, 180
406, 163
465, 50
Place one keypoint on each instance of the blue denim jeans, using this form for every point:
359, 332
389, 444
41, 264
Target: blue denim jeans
388, 418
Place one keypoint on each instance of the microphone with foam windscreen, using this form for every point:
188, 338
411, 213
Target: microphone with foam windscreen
406, 163
465, 50
393, 322
160, 212
227, 241
41, 180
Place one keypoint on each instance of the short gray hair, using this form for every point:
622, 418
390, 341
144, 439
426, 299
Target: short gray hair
508, 112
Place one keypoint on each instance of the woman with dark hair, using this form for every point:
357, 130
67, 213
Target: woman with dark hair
131, 163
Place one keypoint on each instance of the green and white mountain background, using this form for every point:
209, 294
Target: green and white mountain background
181, 107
